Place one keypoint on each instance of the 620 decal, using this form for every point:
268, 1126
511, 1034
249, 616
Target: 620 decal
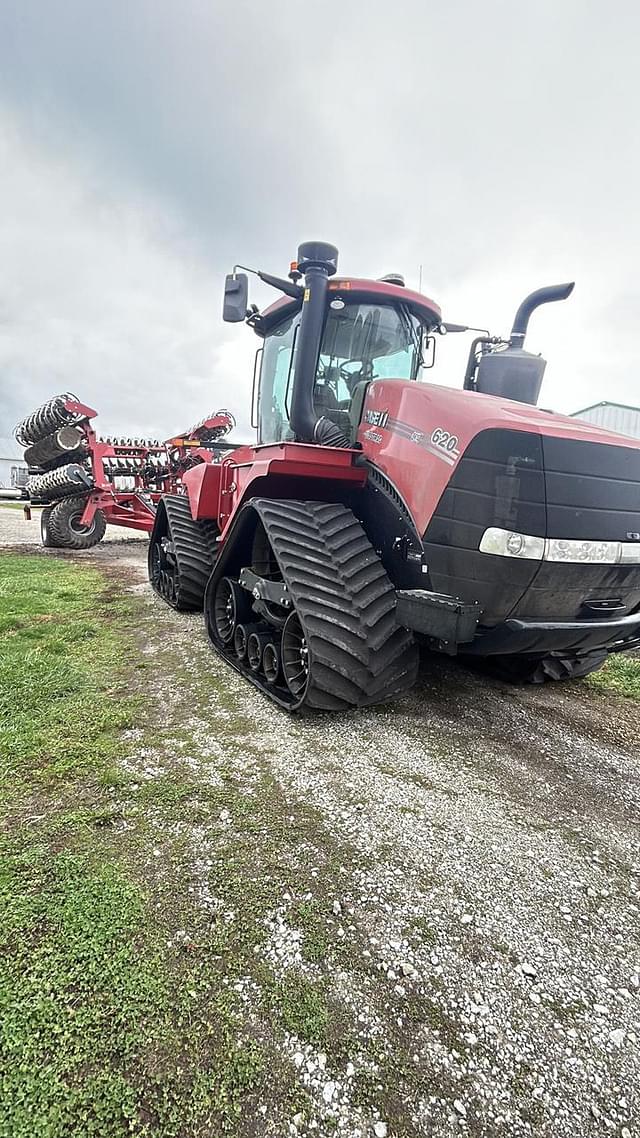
444, 440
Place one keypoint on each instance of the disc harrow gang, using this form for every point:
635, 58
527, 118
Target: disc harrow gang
320, 631
60, 483
54, 447
46, 419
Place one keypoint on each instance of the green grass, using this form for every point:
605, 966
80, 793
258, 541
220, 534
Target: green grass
107, 1027
620, 676
60, 672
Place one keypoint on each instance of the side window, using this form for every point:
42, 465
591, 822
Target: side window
274, 382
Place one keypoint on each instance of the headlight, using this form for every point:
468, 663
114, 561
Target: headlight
506, 543
509, 543
588, 552
629, 553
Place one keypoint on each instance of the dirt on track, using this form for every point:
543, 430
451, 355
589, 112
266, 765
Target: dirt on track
477, 857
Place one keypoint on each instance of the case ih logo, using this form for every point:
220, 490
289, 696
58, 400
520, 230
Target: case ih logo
377, 418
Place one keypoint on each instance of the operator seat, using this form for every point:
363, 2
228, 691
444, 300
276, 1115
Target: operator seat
326, 406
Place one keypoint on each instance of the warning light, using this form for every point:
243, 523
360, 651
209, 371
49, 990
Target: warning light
293, 267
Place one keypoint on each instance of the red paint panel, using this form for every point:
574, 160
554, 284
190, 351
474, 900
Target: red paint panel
416, 433
202, 484
217, 491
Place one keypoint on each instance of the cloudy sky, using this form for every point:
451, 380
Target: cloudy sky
147, 145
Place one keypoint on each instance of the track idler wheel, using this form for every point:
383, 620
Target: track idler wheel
295, 657
271, 662
231, 606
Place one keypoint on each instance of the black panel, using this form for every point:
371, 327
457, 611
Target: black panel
585, 491
593, 489
499, 481
559, 591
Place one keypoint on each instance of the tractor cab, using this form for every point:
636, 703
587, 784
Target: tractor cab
327, 339
325, 342
367, 334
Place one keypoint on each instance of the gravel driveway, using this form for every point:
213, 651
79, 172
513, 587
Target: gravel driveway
480, 873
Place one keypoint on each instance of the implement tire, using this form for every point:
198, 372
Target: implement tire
63, 527
45, 533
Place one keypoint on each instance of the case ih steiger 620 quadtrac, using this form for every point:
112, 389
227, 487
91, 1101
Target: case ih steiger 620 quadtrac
85, 482
377, 511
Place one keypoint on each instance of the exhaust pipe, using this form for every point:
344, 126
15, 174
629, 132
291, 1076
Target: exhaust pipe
541, 296
317, 261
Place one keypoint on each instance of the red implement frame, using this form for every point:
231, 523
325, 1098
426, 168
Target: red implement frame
147, 468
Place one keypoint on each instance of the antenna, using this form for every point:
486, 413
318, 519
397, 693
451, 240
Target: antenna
420, 279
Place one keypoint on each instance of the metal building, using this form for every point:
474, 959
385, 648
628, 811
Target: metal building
618, 417
13, 470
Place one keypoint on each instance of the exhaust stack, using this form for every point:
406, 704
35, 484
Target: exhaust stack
546, 295
317, 261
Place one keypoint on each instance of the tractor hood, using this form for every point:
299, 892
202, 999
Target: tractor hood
417, 433
528, 512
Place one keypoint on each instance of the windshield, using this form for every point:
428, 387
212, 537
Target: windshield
359, 342
368, 341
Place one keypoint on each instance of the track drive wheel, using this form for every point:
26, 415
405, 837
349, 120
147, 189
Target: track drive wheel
64, 529
181, 554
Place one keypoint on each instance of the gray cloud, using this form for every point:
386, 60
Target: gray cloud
148, 145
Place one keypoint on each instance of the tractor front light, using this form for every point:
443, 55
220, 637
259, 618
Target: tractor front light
582, 552
629, 553
506, 543
509, 543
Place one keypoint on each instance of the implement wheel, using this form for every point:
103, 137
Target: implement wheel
62, 529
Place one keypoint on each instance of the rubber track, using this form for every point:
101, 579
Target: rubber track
359, 654
195, 551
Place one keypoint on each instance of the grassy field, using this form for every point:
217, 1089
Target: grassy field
620, 675
145, 848
104, 1029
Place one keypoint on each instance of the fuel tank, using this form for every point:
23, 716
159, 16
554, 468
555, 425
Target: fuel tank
536, 516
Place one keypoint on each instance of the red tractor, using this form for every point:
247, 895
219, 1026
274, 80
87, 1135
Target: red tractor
377, 511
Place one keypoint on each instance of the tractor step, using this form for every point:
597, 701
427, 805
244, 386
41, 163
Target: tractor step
339, 644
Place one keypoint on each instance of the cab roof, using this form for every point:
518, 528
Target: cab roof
358, 290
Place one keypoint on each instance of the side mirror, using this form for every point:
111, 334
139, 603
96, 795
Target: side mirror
428, 350
236, 295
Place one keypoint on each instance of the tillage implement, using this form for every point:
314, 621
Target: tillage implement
85, 482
